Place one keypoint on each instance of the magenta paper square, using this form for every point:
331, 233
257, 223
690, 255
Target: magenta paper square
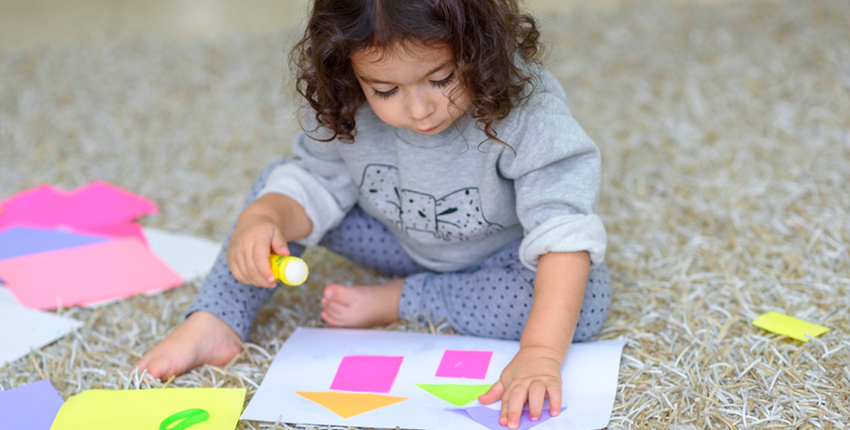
464, 364
370, 373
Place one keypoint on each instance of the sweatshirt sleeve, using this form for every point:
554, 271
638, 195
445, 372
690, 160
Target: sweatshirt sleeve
556, 171
316, 177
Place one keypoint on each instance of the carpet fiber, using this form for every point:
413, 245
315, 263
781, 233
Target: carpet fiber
725, 133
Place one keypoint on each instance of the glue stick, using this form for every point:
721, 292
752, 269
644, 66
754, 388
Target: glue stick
288, 269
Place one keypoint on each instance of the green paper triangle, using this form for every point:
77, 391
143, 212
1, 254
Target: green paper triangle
458, 395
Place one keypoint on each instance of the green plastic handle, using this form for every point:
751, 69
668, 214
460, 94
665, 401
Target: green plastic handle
187, 418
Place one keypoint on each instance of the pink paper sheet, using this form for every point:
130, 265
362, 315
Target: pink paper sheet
98, 207
86, 274
464, 364
369, 373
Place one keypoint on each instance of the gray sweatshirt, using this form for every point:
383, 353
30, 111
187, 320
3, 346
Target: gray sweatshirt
455, 198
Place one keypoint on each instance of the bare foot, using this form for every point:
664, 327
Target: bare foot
361, 306
201, 339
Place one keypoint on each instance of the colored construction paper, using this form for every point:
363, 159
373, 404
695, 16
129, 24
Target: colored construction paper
456, 394
347, 405
192, 257
370, 373
32, 330
147, 409
19, 241
789, 326
489, 418
464, 364
32, 406
86, 274
94, 208
310, 357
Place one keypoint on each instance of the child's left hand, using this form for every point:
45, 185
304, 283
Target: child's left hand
534, 372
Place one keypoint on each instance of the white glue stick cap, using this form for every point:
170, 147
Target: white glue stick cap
296, 272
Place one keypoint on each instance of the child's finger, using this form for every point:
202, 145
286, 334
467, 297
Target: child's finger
264, 267
234, 261
494, 393
516, 400
259, 266
555, 394
249, 269
536, 395
231, 264
245, 269
234, 270
279, 243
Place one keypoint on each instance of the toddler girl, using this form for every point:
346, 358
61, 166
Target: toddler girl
438, 152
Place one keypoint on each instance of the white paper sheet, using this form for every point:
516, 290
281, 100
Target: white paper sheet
22, 330
6, 296
309, 359
192, 257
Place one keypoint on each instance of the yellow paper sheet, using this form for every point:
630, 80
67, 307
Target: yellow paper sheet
146, 409
792, 327
348, 405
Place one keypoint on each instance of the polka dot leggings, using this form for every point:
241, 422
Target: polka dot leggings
491, 299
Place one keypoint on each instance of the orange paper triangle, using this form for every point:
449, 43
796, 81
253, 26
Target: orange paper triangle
348, 405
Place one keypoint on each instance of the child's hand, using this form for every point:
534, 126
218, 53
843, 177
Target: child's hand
251, 244
534, 372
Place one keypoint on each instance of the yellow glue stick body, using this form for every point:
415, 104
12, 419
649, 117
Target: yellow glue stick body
288, 269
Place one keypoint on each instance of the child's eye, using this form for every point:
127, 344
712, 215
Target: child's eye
383, 94
443, 82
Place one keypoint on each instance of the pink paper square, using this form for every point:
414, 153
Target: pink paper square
464, 364
98, 207
86, 274
369, 373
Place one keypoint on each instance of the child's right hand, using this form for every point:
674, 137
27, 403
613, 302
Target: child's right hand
253, 240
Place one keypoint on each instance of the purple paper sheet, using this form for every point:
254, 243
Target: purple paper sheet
32, 406
19, 241
490, 417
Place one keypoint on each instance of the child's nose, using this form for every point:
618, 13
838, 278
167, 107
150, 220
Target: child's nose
421, 106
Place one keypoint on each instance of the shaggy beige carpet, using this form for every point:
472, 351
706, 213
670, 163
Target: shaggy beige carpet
725, 132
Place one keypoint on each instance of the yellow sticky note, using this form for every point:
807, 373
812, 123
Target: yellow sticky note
147, 409
792, 327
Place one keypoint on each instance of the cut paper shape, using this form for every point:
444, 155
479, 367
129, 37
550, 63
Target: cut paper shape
348, 405
32, 406
32, 330
86, 274
147, 409
464, 364
792, 327
456, 394
370, 373
20, 241
490, 417
192, 257
98, 207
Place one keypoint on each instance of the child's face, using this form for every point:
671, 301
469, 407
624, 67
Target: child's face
409, 86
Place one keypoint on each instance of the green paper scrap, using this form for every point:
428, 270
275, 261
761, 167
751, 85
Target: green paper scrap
456, 394
147, 409
792, 327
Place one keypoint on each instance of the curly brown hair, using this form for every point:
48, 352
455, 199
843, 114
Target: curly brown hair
489, 40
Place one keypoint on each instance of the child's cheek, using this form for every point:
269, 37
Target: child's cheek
387, 112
